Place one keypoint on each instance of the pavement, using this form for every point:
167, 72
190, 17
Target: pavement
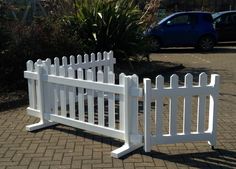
66, 147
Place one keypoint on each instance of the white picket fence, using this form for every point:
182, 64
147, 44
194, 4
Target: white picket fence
157, 94
83, 94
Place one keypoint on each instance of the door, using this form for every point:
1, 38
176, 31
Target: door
180, 30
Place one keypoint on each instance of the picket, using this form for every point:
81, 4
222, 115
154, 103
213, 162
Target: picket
81, 96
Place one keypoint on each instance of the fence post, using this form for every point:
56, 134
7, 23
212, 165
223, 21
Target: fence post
41, 105
147, 115
129, 145
212, 125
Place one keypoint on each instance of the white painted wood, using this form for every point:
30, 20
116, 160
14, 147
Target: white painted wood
201, 104
100, 96
110, 58
134, 105
111, 102
147, 112
159, 105
93, 67
90, 96
105, 67
63, 92
81, 96
187, 108
72, 92
126, 110
174, 80
121, 102
213, 106
31, 85
56, 87
99, 59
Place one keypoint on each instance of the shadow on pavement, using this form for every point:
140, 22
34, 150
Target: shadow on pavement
216, 159
221, 48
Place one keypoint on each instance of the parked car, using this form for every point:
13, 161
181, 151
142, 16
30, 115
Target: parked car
194, 29
225, 25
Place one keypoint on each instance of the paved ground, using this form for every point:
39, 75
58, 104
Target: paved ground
66, 147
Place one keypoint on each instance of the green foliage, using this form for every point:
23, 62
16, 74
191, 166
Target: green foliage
107, 25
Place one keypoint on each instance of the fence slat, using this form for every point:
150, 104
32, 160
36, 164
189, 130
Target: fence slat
72, 61
38, 63
201, 105
159, 106
100, 100
93, 68
56, 87
71, 74
105, 67
173, 106
111, 102
110, 58
63, 92
31, 86
90, 98
99, 58
47, 87
81, 96
187, 109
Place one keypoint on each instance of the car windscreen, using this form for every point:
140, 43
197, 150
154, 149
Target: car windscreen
215, 15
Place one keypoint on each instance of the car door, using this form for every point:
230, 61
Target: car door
179, 30
226, 26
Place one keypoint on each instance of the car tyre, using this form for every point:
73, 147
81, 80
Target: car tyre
206, 43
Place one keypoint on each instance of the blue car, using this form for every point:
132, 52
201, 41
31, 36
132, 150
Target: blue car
193, 29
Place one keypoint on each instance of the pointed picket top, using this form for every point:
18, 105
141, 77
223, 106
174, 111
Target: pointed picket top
86, 58
49, 62
72, 60
104, 55
159, 82
71, 72
111, 77
30, 65
39, 61
110, 55
56, 65
64, 61
121, 78
80, 74
89, 74
92, 57
100, 76
188, 80
174, 81
79, 59
99, 56
203, 79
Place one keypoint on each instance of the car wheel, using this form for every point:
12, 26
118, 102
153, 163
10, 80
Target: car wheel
155, 44
206, 43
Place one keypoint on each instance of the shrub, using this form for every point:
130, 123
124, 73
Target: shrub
108, 25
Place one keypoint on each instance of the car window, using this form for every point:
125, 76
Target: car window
181, 19
226, 19
233, 18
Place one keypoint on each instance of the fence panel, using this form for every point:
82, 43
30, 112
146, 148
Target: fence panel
202, 90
